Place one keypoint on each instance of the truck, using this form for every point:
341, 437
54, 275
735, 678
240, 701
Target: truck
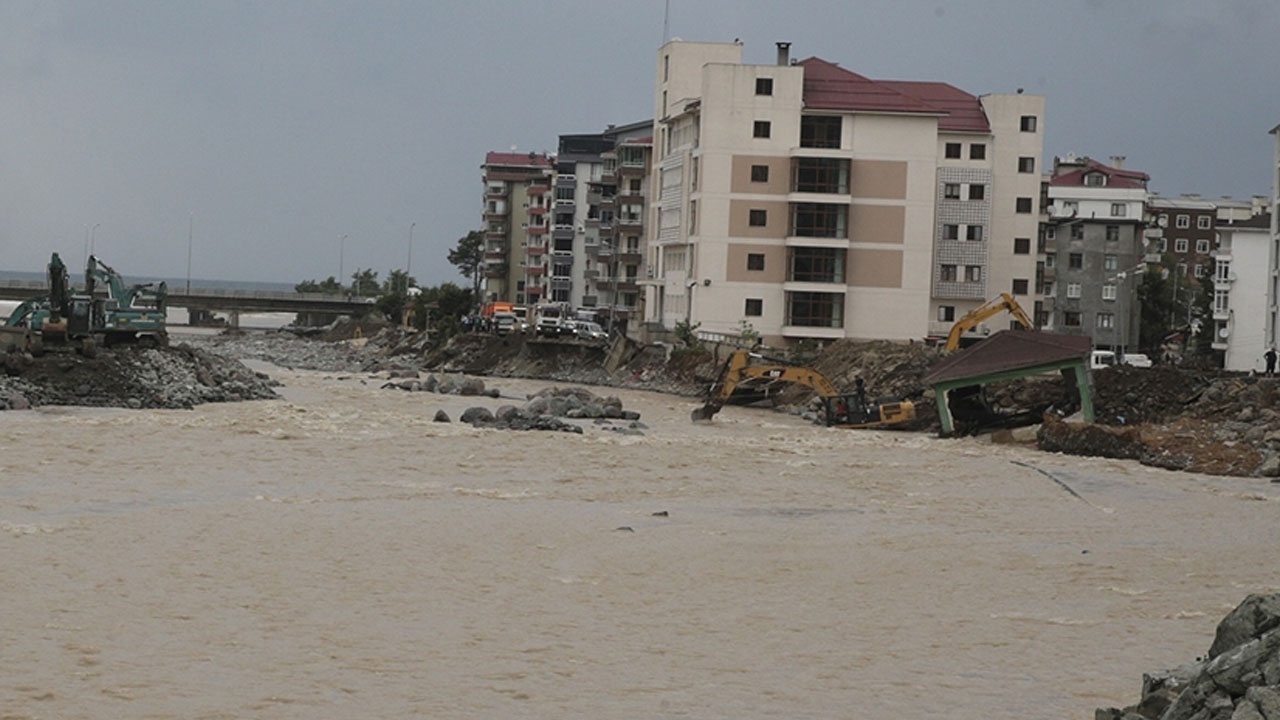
552, 320
499, 317
84, 320
741, 374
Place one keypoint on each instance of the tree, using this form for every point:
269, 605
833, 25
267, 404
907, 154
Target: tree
468, 257
364, 283
329, 285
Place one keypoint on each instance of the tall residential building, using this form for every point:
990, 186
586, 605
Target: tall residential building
812, 203
1184, 236
517, 221
1243, 326
599, 220
1094, 250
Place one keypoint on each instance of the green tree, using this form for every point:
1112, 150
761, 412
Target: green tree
364, 283
468, 257
329, 285
1154, 293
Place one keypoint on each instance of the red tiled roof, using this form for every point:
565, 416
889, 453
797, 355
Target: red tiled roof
517, 159
1116, 177
828, 86
964, 111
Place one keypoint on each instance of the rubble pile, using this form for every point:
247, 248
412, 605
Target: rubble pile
1238, 678
178, 377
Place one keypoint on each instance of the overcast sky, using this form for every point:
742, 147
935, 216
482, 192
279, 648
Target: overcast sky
265, 131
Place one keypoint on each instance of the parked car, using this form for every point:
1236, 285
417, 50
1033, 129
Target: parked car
588, 330
1137, 360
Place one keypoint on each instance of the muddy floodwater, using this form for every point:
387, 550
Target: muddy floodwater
336, 554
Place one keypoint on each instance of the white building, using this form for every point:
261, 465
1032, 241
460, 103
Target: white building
1243, 281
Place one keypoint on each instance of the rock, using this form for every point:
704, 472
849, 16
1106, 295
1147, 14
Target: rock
471, 387
1270, 467
18, 402
441, 417
477, 415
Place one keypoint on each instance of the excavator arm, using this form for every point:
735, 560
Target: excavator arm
849, 410
991, 308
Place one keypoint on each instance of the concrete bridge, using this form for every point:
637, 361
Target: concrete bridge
231, 302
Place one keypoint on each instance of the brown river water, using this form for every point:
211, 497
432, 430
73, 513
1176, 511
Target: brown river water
336, 554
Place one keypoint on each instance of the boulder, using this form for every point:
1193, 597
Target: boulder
477, 415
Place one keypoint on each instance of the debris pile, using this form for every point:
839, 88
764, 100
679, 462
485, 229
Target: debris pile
1238, 678
178, 377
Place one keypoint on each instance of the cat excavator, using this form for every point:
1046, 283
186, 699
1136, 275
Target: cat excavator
847, 410
990, 308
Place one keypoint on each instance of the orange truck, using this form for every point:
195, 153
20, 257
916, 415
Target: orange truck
499, 317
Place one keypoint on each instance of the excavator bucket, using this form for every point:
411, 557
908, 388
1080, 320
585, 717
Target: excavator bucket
706, 412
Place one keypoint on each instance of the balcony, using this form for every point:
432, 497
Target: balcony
495, 193
630, 221
495, 235
537, 210
630, 257
495, 255
535, 250
535, 190
535, 270
495, 271
536, 229
535, 290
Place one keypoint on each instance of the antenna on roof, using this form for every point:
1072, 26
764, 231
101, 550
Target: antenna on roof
666, 25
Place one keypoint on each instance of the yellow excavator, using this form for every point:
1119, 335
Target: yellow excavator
990, 308
847, 410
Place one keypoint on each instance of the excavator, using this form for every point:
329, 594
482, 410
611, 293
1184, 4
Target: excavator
128, 313
846, 410
990, 308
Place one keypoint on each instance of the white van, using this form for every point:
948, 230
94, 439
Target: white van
1101, 359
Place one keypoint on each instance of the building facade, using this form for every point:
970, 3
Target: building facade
1243, 323
1095, 251
517, 217
803, 201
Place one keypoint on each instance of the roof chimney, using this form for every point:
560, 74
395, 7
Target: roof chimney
784, 53
1117, 162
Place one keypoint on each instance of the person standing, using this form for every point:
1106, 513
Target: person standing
1270, 358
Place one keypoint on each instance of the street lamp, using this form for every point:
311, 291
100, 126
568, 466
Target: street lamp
342, 242
1126, 307
408, 269
191, 225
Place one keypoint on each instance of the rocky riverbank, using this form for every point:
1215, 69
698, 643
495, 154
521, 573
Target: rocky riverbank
1237, 679
1176, 418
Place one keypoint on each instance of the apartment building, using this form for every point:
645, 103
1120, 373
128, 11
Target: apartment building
811, 203
517, 221
1095, 252
1182, 232
598, 226
1244, 276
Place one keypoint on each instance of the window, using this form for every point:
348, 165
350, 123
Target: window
973, 273
973, 232
1164, 245
1183, 221
1095, 180
1202, 246
758, 218
815, 309
1022, 246
1119, 209
1020, 286
1204, 222
946, 313
759, 173
755, 261
1071, 319
1050, 260
1048, 288
947, 273
760, 129
1106, 321
1198, 269
1073, 290
693, 217
1109, 262
754, 307
764, 86
977, 192
1075, 261
952, 150
1028, 123
1109, 291
1026, 164
950, 232
977, 151
1023, 205
1113, 233
1180, 245
820, 131
951, 191
821, 175
816, 264
1077, 231
819, 220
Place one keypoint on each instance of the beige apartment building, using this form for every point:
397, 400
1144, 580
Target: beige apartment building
805, 201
